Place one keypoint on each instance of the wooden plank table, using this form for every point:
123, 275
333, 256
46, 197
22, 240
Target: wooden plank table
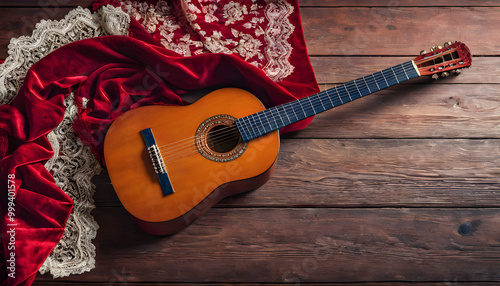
401, 187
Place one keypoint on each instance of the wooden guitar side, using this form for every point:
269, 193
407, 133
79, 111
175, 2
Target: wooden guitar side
197, 181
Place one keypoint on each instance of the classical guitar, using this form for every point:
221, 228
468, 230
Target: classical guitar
226, 143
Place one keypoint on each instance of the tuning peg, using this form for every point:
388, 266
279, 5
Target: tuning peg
445, 74
435, 76
423, 52
433, 48
458, 71
439, 47
447, 44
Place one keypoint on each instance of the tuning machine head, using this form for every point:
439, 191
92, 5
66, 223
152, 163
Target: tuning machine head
433, 48
443, 62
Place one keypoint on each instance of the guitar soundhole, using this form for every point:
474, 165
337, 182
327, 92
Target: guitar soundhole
223, 138
218, 139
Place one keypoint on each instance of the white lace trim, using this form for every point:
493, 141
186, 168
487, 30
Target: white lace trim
278, 31
73, 165
49, 35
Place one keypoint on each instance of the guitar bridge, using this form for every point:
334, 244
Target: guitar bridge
157, 161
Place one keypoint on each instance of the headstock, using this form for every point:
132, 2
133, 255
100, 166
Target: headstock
444, 60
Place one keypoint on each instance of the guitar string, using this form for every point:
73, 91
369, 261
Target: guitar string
189, 139
231, 134
218, 134
192, 149
370, 81
193, 152
315, 100
319, 100
189, 144
230, 128
174, 157
179, 141
221, 138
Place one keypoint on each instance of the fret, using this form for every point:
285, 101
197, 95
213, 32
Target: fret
321, 101
404, 70
286, 113
318, 101
258, 129
345, 87
401, 73
330, 98
357, 88
294, 113
385, 79
395, 74
279, 116
373, 75
391, 79
242, 128
338, 94
302, 108
258, 115
363, 87
274, 118
271, 119
261, 128
409, 69
246, 127
352, 90
312, 105
369, 89
268, 122
251, 130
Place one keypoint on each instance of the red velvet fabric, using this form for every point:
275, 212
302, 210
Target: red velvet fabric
267, 34
109, 75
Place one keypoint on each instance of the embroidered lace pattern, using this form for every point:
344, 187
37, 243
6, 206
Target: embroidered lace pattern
49, 35
278, 31
256, 31
73, 165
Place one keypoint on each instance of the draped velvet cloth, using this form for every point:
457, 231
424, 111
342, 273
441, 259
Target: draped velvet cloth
109, 76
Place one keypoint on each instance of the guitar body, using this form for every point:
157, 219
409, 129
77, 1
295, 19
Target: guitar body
200, 171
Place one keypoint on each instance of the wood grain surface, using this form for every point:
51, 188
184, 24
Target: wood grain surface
291, 245
348, 31
399, 188
371, 173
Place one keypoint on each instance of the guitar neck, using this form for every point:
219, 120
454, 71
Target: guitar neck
274, 118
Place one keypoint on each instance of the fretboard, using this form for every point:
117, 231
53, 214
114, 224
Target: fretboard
274, 118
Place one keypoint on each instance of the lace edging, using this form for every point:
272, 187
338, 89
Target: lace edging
278, 31
49, 35
73, 165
